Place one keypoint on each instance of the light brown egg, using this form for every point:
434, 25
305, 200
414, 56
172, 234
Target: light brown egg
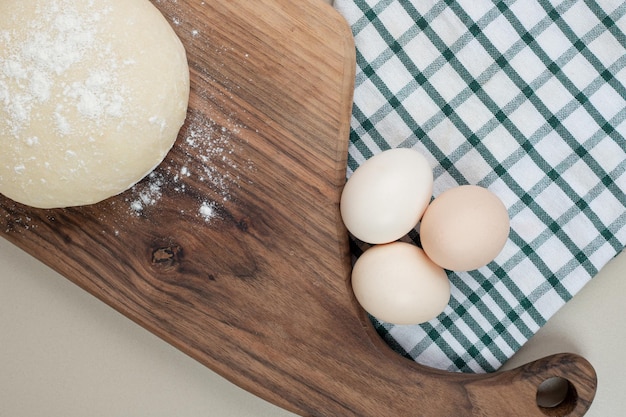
464, 228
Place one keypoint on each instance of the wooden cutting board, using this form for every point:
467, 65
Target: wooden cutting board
234, 251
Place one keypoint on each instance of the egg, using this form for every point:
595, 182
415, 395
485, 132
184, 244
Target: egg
397, 283
386, 196
464, 228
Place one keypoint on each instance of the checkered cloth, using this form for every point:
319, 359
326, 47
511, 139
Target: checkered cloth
526, 98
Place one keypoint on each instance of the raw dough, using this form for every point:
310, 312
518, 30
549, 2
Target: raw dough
92, 96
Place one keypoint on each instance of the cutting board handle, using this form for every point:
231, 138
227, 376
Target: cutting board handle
559, 385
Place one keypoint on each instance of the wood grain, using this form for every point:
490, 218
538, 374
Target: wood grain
260, 292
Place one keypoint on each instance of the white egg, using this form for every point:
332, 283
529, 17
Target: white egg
399, 284
387, 195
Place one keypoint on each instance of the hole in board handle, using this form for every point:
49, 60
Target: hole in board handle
556, 397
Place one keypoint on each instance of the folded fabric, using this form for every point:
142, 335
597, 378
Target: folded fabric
526, 98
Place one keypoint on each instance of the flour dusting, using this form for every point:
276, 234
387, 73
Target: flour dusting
207, 210
209, 151
36, 61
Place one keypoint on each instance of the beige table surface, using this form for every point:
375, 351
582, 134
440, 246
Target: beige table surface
65, 354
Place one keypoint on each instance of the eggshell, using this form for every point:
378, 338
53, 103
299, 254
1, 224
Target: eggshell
464, 228
387, 195
399, 284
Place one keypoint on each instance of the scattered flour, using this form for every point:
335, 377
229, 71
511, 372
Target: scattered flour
148, 194
15, 220
209, 151
207, 210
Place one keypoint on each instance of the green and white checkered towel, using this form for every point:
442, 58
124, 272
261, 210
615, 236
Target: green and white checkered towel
526, 98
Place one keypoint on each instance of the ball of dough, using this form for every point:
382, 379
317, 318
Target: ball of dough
92, 97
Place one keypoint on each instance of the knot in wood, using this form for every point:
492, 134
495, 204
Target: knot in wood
167, 256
